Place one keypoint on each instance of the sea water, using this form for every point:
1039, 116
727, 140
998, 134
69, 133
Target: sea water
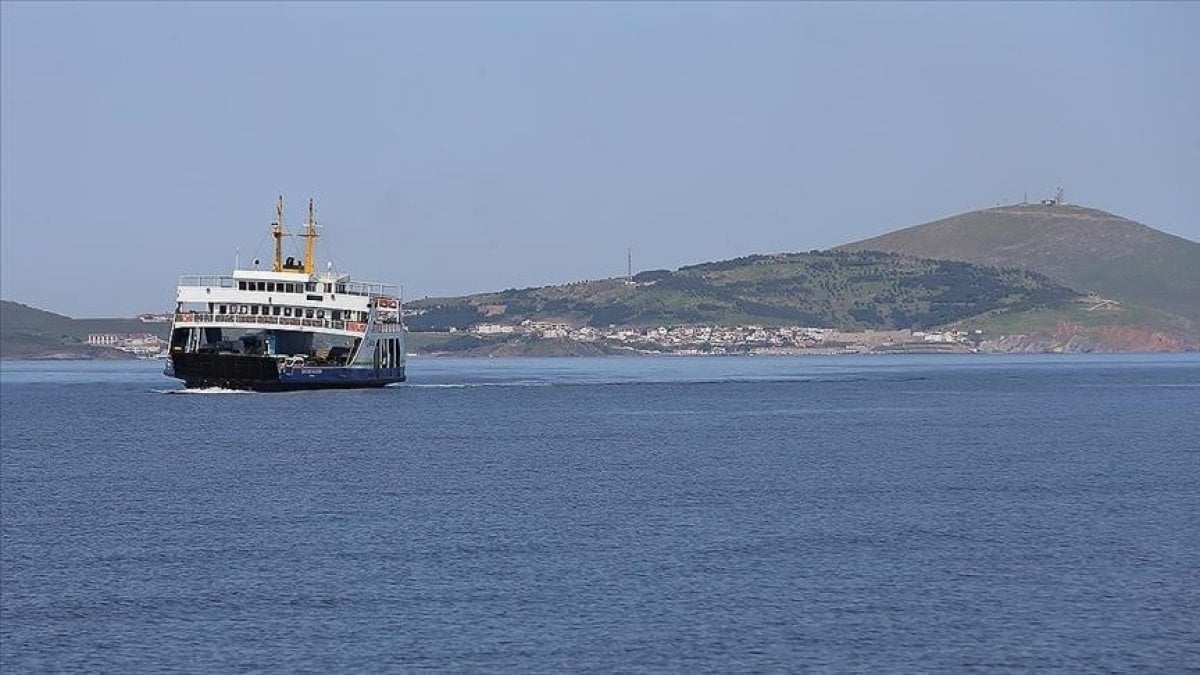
930, 513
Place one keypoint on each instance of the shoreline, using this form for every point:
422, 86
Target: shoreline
827, 353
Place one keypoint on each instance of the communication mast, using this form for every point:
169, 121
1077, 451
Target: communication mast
310, 235
277, 234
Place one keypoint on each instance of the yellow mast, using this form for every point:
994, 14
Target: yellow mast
277, 233
310, 238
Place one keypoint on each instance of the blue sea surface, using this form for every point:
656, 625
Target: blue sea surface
899, 513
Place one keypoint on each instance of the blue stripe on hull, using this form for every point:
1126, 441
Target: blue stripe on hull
322, 377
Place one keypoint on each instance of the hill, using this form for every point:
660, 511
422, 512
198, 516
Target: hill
1086, 249
838, 289
1078, 277
28, 332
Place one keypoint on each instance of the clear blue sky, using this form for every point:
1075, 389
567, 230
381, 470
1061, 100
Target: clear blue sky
461, 147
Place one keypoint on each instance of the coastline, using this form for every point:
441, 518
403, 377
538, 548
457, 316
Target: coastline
510, 352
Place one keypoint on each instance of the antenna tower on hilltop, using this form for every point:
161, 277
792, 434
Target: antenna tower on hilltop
1058, 197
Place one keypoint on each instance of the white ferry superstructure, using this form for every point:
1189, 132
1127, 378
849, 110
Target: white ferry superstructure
286, 328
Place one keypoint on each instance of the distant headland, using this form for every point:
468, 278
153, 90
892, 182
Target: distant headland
1047, 277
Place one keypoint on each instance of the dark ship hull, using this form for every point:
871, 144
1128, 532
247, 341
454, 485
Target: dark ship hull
202, 370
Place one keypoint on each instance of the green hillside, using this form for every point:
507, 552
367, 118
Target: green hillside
1014, 270
850, 291
1083, 248
30, 332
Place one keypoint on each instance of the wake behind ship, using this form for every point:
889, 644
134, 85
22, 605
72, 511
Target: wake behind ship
287, 328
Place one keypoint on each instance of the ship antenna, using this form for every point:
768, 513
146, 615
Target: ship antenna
310, 235
277, 233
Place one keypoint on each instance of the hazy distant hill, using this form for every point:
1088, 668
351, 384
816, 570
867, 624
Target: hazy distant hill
26, 331
30, 332
1016, 271
1086, 249
828, 289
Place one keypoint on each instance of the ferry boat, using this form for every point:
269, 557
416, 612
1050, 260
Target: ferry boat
286, 328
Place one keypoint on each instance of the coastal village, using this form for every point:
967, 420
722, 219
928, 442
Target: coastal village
144, 345
676, 340
747, 339
715, 340
141, 345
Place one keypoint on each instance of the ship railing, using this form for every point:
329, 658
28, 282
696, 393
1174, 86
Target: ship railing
362, 288
208, 280
368, 288
263, 319
185, 318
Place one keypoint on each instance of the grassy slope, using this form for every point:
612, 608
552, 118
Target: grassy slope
27, 332
1045, 320
1086, 249
843, 290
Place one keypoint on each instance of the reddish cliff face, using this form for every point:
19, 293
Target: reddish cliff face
1076, 337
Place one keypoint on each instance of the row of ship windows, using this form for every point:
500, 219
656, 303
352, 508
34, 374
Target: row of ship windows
297, 312
288, 287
